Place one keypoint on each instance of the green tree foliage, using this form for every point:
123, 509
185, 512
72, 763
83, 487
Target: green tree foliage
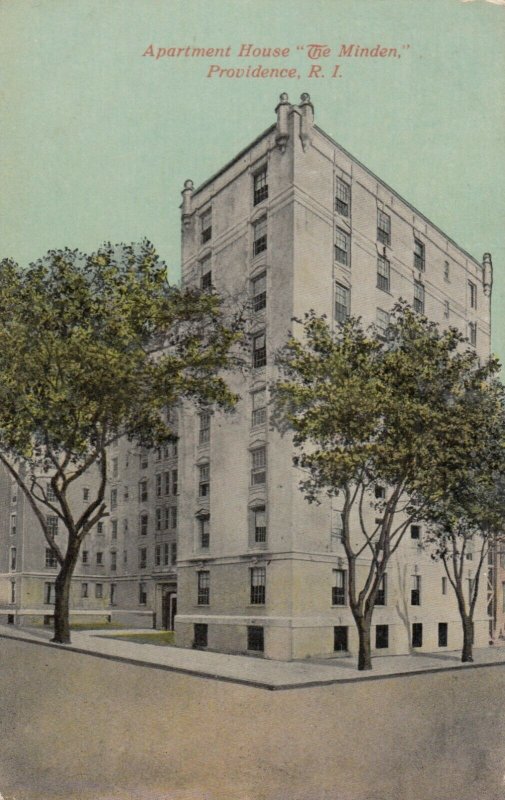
92, 348
387, 424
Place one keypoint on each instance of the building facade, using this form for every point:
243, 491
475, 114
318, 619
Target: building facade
298, 223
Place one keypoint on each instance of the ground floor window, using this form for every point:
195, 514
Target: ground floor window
340, 638
442, 634
200, 634
381, 636
255, 638
417, 634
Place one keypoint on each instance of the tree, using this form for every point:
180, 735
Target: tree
92, 348
465, 529
385, 423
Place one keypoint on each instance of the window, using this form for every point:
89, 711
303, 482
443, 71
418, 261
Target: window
415, 590
417, 634
342, 302
144, 460
383, 273
444, 585
13, 524
166, 557
259, 411
503, 595
200, 634
383, 227
380, 492
52, 525
204, 435
442, 634
381, 596
84, 590
144, 522
447, 271
260, 524
13, 559
204, 532
342, 247
258, 466
158, 519
415, 532
158, 454
115, 467
258, 586
166, 482
99, 559
339, 587
49, 593
203, 588
85, 494
472, 333
113, 525
99, 528
157, 555
381, 637
419, 255
206, 281
113, 560
340, 638
447, 309
125, 556
259, 292
418, 297
13, 592
173, 517
174, 482
259, 350
173, 553
382, 322
255, 638
142, 594
166, 521
206, 226
99, 590
471, 587
143, 557
113, 594
51, 560
143, 491
204, 480
113, 499
126, 493
260, 186
158, 484
342, 197
472, 294
50, 494
259, 236
84, 556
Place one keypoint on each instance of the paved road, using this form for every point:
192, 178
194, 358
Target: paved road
75, 727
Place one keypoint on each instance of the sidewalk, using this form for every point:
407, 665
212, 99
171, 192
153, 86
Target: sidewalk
251, 671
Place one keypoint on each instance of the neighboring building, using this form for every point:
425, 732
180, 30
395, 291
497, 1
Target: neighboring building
301, 224
126, 571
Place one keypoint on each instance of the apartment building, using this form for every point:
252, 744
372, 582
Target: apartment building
126, 571
300, 224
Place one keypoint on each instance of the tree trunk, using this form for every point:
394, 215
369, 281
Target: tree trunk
365, 649
62, 605
467, 651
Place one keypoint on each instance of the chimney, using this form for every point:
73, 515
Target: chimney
187, 194
487, 266
307, 119
282, 110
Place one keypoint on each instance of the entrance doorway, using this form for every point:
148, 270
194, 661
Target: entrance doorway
169, 610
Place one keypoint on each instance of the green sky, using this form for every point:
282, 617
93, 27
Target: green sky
97, 139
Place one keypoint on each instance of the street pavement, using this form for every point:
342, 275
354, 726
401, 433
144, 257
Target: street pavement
254, 671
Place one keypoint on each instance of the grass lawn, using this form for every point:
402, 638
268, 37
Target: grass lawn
95, 626
162, 638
